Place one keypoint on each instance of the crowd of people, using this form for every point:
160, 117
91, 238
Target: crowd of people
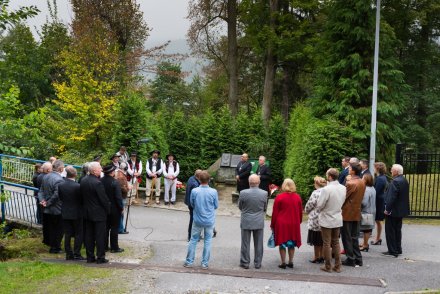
342, 205
89, 209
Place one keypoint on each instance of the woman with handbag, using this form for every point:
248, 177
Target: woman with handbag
286, 220
368, 211
314, 237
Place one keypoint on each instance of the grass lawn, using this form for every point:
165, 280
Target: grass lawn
23, 272
40, 277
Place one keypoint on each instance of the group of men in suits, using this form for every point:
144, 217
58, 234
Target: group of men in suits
244, 169
89, 211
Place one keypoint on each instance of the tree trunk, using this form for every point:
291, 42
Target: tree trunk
232, 57
268, 85
285, 105
270, 66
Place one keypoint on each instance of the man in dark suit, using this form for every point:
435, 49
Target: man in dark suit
263, 171
351, 216
364, 165
46, 169
49, 199
96, 209
193, 182
344, 172
71, 212
114, 194
242, 173
396, 208
252, 203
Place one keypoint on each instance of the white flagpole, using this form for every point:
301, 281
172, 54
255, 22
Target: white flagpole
374, 102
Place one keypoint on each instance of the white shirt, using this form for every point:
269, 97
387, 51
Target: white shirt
133, 166
123, 157
171, 171
153, 169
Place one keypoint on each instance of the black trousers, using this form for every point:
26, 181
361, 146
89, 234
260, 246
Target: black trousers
38, 212
393, 234
113, 221
95, 237
52, 230
350, 240
46, 225
191, 211
73, 229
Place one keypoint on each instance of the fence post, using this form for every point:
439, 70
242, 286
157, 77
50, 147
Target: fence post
2, 200
399, 157
2, 191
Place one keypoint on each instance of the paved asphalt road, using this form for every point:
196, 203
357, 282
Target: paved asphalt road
166, 231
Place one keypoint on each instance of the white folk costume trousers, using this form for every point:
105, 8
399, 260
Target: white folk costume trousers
170, 184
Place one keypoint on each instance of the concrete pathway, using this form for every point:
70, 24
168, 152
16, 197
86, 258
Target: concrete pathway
165, 230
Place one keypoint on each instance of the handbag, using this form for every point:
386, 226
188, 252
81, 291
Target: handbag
271, 241
367, 219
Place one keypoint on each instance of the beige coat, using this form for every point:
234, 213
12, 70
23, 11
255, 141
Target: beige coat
330, 205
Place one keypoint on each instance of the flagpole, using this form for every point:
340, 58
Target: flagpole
375, 88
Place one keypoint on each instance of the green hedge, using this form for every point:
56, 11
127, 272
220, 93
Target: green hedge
198, 140
313, 146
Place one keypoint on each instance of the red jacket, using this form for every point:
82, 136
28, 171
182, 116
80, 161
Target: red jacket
286, 218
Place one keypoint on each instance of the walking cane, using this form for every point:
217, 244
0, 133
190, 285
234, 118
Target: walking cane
152, 189
147, 197
129, 198
128, 207
145, 140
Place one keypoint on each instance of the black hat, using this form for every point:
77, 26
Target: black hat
133, 154
171, 154
115, 155
108, 168
97, 157
155, 151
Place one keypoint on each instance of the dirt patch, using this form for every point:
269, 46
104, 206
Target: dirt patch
134, 252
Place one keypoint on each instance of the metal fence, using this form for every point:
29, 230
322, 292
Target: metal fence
17, 169
422, 170
19, 202
16, 188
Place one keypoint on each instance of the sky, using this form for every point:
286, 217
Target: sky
166, 18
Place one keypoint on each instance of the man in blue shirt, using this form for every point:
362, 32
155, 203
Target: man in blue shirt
204, 201
193, 182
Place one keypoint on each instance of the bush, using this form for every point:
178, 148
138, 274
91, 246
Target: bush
313, 146
17, 243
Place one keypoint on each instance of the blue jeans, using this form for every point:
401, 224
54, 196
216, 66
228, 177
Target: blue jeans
121, 223
195, 236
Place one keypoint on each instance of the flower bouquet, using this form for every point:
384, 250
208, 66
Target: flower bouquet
274, 190
180, 187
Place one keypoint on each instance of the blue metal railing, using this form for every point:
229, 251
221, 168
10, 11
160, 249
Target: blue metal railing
19, 169
15, 183
20, 202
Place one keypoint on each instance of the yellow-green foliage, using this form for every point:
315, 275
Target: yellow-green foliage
88, 98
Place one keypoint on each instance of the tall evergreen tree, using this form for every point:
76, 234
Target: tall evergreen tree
344, 86
417, 26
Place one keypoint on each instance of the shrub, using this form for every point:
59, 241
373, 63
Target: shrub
313, 146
